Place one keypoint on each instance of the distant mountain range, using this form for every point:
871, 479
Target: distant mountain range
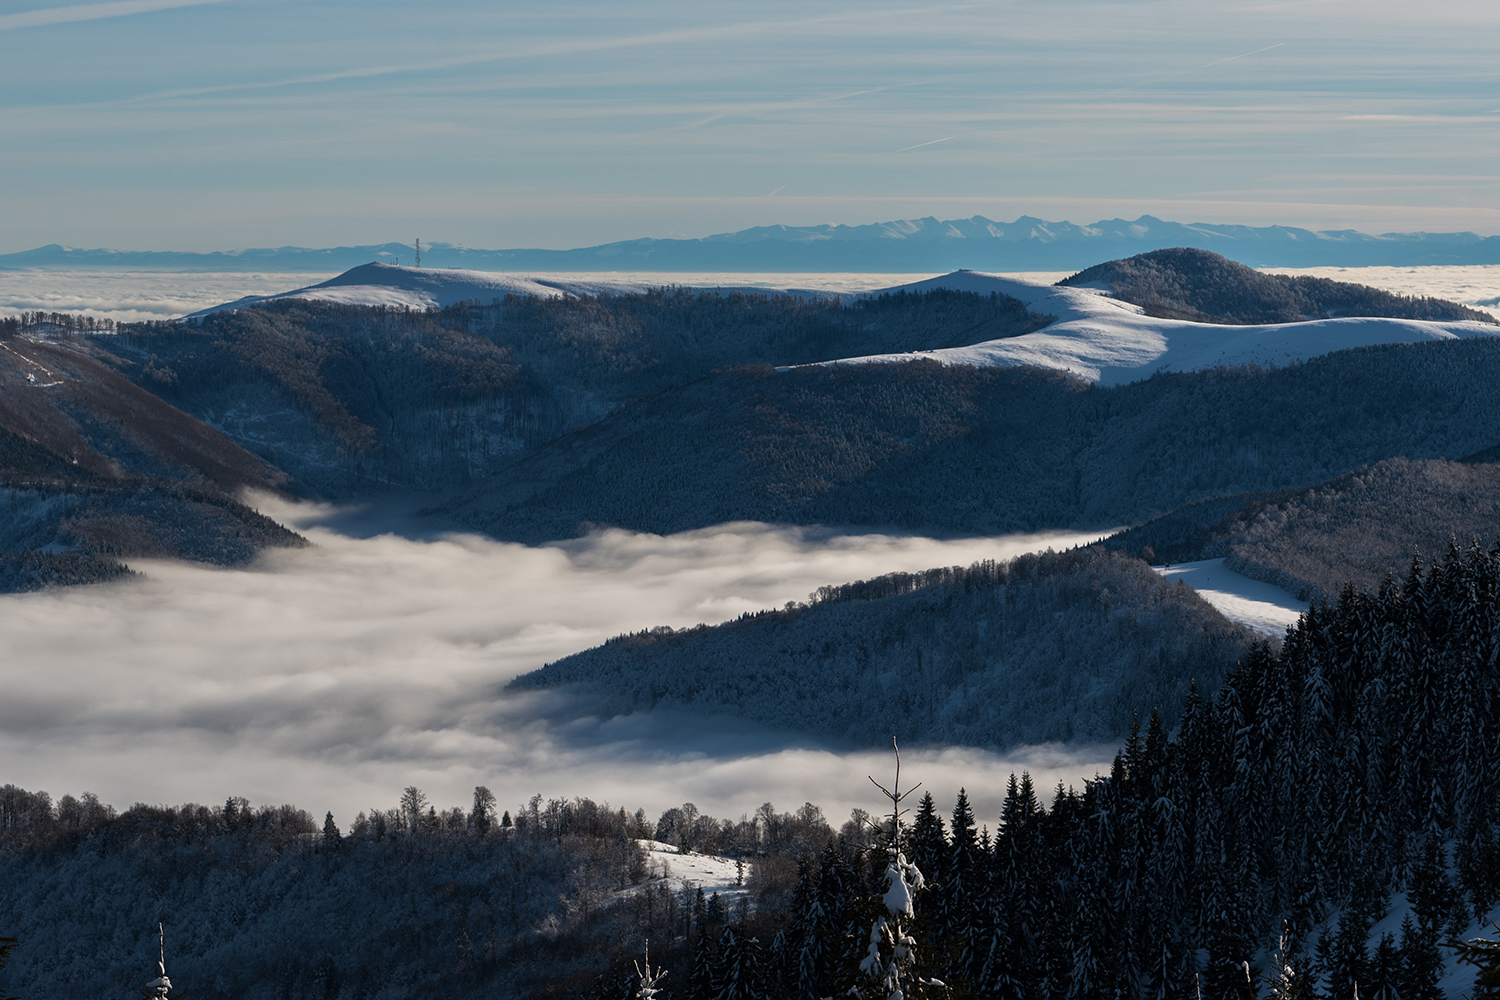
904, 245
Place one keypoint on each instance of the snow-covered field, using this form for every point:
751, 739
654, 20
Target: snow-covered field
708, 872
1260, 607
136, 296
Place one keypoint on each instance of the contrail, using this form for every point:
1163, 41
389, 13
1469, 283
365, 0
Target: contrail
1194, 69
919, 145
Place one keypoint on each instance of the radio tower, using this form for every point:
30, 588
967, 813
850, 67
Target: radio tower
419, 253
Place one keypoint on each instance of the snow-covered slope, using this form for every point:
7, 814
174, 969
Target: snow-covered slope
709, 872
1105, 340
1263, 608
378, 284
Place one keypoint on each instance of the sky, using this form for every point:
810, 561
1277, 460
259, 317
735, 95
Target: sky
333, 676
219, 124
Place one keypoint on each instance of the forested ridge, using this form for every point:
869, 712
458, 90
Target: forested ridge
924, 447
1205, 287
1055, 647
350, 398
1348, 773
1311, 541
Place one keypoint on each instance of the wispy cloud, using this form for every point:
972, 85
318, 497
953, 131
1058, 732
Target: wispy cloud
535, 51
91, 12
1194, 69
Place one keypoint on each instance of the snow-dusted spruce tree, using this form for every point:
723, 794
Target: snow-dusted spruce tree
160, 988
1287, 981
647, 977
889, 969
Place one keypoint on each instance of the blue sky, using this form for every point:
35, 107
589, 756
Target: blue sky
168, 124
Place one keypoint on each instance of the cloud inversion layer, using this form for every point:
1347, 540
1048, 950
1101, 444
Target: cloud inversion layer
333, 676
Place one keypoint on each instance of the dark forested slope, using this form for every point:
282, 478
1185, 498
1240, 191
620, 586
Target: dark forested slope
94, 468
1199, 285
353, 399
925, 447
1061, 646
1356, 528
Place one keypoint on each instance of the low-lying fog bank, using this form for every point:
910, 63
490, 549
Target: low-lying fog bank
333, 676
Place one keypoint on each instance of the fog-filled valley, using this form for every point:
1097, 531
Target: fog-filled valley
333, 673
1176, 577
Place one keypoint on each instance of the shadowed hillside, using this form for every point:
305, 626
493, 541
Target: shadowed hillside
1061, 646
1355, 528
929, 448
352, 399
94, 468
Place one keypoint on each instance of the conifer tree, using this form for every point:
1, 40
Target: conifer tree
737, 971
331, 837
700, 984
1421, 964
1348, 961
1384, 972
889, 967
1288, 980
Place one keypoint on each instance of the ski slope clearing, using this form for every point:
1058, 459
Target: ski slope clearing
1261, 607
1104, 340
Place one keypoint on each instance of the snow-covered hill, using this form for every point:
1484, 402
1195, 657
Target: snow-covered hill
1095, 336
1104, 340
378, 284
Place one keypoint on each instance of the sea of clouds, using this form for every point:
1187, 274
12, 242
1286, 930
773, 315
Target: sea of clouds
333, 676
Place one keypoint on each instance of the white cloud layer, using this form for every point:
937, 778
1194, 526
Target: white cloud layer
135, 296
333, 676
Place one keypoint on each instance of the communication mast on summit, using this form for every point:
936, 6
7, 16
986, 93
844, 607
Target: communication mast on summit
419, 253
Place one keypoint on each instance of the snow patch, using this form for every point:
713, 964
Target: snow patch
708, 872
1261, 607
